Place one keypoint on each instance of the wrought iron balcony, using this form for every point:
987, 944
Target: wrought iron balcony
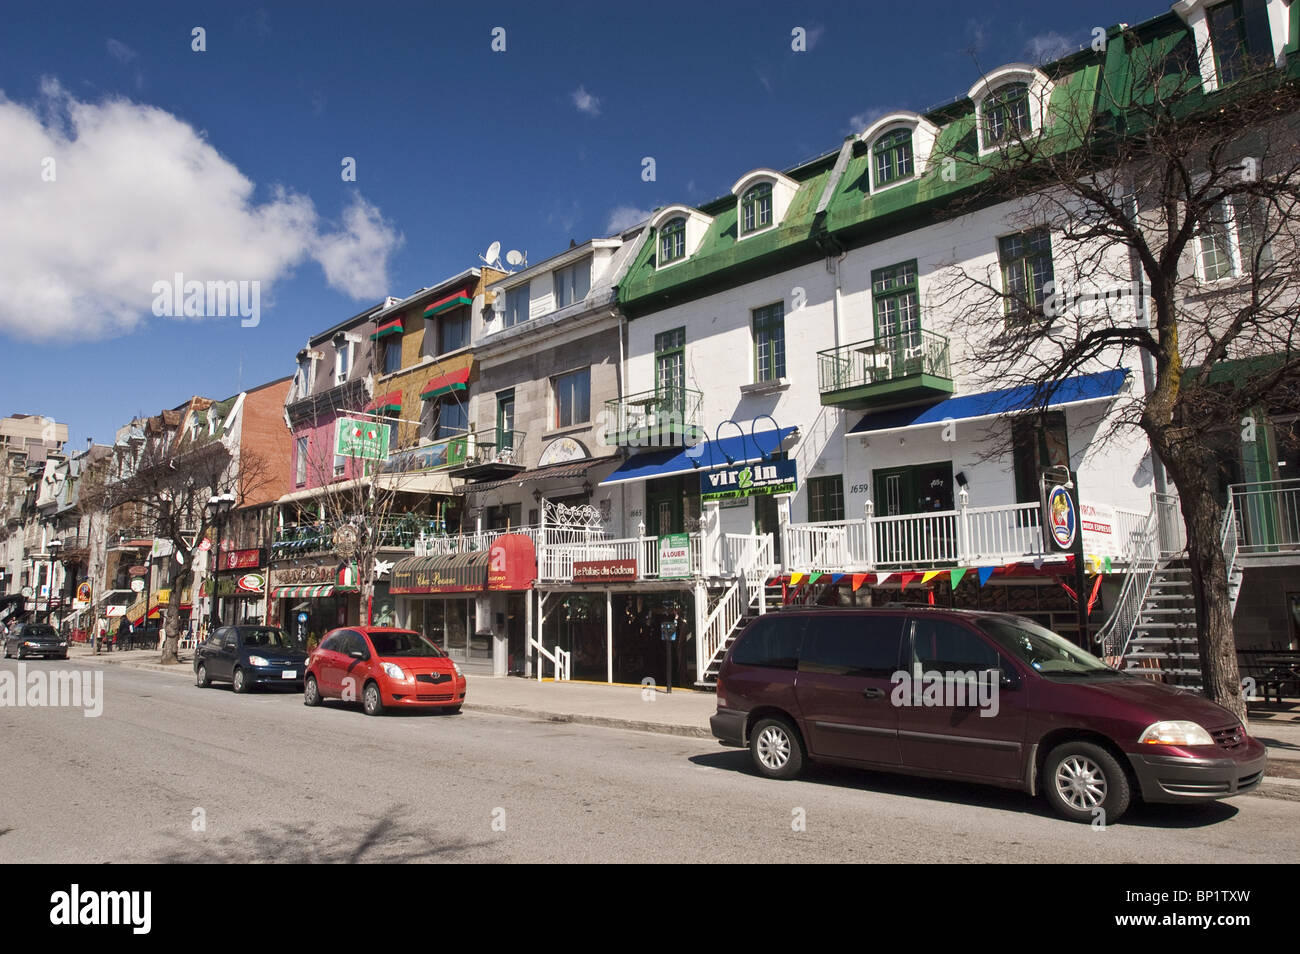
491, 455
664, 417
888, 370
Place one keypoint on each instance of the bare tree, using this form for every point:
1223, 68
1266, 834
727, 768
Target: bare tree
1173, 219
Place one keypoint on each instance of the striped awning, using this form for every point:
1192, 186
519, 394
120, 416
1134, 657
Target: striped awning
392, 401
307, 591
393, 327
461, 296
458, 573
445, 383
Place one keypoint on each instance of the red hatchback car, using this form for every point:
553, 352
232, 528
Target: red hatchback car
383, 668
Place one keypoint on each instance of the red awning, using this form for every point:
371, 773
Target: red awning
388, 328
390, 401
462, 296
453, 381
512, 563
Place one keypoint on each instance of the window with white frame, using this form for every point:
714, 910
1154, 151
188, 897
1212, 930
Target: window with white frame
300, 462
1005, 114
516, 305
572, 283
892, 155
342, 360
1233, 240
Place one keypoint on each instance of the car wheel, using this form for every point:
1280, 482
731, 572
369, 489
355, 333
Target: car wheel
240, 680
1083, 781
311, 692
776, 748
201, 678
371, 701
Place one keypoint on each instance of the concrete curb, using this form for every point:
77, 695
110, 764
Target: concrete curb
604, 722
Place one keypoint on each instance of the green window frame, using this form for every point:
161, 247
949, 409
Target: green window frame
897, 305
756, 208
672, 240
1227, 24
769, 342
893, 152
825, 498
1006, 114
1026, 261
505, 419
670, 360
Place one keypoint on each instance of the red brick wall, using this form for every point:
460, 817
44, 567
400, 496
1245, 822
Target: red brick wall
264, 433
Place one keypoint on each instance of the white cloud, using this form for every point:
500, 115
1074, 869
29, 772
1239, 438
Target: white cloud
624, 217
585, 102
1045, 47
859, 122
138, 196
120, 51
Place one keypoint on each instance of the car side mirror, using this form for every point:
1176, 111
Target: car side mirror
357, 654
1008, 678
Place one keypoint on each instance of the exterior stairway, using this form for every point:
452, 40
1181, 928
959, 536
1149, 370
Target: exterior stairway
772, 596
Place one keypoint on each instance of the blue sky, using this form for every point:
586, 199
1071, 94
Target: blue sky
228, 161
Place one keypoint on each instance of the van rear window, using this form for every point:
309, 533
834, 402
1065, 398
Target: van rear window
772, 641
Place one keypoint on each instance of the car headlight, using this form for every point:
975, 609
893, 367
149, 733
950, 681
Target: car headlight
456, 666
1176, 733
394, 671
62, 644
258, 661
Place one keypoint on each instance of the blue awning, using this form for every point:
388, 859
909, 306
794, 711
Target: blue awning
706, 455
1101, 385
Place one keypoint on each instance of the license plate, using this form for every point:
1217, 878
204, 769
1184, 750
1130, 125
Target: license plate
289, 674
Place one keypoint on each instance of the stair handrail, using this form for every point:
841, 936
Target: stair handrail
1229, 543
560, 659
744, 591
1143, 556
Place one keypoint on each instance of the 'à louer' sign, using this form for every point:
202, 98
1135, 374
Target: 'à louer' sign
365, 439
749, 480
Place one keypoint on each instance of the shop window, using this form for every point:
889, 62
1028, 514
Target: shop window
825, 498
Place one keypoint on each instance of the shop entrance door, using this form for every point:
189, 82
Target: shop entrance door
903, 491
766, 521
663, 505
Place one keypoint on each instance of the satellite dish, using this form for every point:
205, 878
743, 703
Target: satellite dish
493, 253
514, 257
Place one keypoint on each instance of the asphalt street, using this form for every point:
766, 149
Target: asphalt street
271, 780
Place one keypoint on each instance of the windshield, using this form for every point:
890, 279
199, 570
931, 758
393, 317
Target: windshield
1048, 653
38, 629
403, 644
268, 636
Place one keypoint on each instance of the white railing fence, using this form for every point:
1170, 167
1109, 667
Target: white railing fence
745, 591
1142, 556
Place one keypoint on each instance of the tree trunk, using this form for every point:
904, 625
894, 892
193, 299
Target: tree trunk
171, 640
1203, 517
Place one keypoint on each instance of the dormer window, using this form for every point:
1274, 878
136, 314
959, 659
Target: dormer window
893, 157
756, 208
1006, 114
1234, 38
672, 240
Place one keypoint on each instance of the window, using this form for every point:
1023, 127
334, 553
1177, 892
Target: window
506, 420
769, 342
1026, 260
1006, 114
393, 354
756, 208
897, 306
516, 305
300, 462
452, 417
672, 240
342, 359
572, 283
453, 330
670, 360
825, 498
572, 393
1037, 442
852, 645
1239, 37
773, 641
893, 152
1233, 239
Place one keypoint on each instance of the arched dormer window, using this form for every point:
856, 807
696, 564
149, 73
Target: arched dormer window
1010, 105
679, 230
756, 208
900, 144
672, 240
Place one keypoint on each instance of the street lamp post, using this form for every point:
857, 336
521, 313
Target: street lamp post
53, 548
220, 505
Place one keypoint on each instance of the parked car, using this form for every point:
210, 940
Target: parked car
976, 696
383, 668
35, 639
248, 656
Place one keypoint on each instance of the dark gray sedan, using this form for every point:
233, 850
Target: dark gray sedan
35, 639
247, 656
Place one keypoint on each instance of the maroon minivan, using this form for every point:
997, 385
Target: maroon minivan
977, 696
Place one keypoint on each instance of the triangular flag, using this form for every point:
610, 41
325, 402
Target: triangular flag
858, 580
930, 575
955, 576
814, 577
795, 578
882, 577
984, 573
931, 597
836, 577
1105, 564
907, 578
1095, 587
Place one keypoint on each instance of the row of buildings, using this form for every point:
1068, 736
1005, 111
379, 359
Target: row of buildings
601, 464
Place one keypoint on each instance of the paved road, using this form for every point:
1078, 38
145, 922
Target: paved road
277, 781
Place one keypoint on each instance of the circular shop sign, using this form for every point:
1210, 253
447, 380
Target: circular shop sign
1061, 517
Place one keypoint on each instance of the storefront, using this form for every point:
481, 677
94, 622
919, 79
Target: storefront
309, 600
